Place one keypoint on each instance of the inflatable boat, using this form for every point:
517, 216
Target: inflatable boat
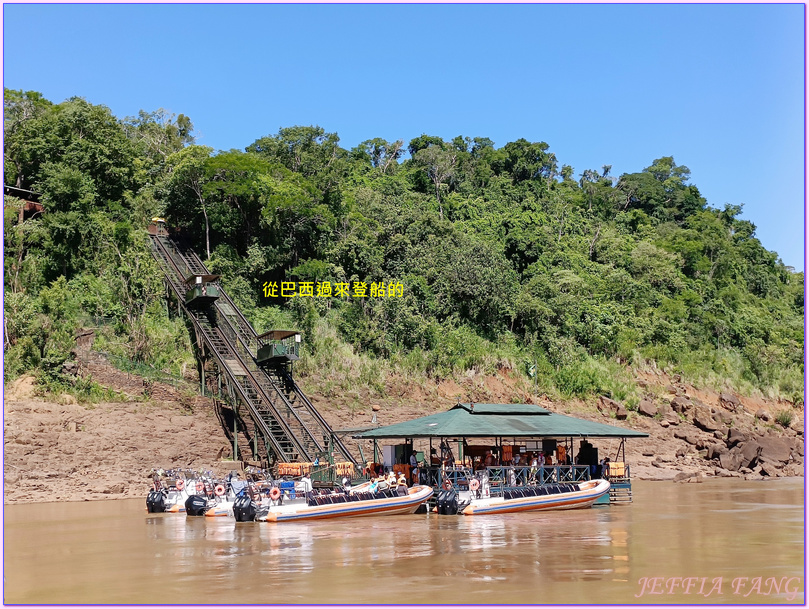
400, 500
567, 496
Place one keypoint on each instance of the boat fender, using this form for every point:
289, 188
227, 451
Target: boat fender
219, 490
275, 493
180, 484
200, 487
474, 484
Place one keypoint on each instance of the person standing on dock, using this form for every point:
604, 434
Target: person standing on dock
489, 460
414, 468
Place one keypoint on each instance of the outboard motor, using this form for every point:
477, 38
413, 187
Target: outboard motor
448, 503
262, 511
196, 505
244, 509
155, 502
451, 505
439, 503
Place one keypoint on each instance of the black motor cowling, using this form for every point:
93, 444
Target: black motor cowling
196, 505
244, 509
439, 502
448, 502
155, 502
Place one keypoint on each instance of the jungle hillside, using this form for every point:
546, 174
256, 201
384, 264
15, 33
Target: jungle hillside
489, 258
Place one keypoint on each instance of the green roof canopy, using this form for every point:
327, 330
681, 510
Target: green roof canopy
499, 421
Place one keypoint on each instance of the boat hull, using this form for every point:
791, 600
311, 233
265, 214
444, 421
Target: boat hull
177, 508
222, 508
587, 494
404, 504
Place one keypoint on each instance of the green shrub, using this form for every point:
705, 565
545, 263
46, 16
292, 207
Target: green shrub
85, 390
579, 381
784, 418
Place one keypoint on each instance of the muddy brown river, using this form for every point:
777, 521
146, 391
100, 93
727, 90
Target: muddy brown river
722, 541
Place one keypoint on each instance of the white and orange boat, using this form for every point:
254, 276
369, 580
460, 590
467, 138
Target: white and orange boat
169, 499
400, 500
568, 496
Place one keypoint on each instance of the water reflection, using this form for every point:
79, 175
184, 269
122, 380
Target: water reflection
111, 552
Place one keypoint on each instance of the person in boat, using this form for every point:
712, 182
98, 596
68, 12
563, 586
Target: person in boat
237, 485
306, 486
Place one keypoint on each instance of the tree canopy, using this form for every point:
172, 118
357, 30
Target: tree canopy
503, 256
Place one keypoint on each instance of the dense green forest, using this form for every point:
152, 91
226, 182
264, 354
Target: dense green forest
506, 257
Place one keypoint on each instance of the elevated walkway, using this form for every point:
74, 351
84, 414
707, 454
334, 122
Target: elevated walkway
291, 428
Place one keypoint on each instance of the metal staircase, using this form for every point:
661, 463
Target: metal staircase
290, 425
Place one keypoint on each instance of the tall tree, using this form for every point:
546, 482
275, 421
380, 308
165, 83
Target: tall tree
440, 166
184, 189
383, 155
19, 109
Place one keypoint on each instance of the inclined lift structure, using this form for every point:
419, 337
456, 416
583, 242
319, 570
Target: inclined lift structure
280, 347
202, 290
252, 371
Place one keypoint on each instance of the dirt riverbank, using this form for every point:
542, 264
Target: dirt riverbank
60, 450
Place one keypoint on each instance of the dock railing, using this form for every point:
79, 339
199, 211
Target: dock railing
503, 478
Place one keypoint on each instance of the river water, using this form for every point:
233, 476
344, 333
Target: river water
716, 533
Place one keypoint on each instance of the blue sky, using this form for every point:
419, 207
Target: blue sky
719, 87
